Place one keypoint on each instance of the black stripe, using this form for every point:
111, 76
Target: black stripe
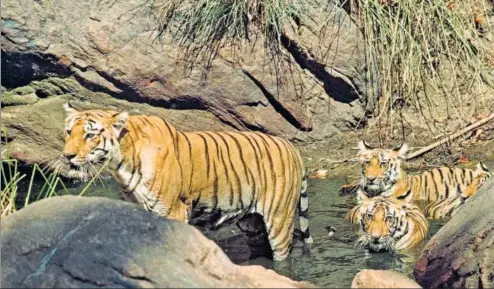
402, 197
190, 161
239, 146
230, 188
215, 189
175, 143
206, 150
98, 149
277, 205
271, 165
120, 165
262, 172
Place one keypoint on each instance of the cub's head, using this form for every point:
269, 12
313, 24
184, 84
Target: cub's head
91, 138
482, 174
385, 222
381, 168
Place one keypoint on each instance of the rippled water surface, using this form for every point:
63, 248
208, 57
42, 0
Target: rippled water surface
328, 262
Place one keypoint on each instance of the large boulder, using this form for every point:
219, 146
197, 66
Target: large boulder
112, 47
461, 253
80, 242
382, 279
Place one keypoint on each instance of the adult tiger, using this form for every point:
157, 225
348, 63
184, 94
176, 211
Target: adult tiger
170, 172
383, 175
387, 224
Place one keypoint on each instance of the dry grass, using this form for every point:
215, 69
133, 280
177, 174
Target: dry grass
202, 27
431, 58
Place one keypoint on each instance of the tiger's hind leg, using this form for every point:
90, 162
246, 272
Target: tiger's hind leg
303, 207
280, 236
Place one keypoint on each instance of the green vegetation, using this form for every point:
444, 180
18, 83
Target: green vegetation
11, 178
12, 198
203, 26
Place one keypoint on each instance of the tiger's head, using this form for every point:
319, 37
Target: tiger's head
381, 168
387, 224
91, 138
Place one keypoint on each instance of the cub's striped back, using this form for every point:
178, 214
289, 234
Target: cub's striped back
444, 189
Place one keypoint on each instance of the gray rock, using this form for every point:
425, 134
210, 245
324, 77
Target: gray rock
35, 132
81, 242
461, 253
111, 47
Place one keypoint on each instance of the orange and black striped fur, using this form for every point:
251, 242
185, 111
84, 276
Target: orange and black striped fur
170, 172
387, 224
383, 175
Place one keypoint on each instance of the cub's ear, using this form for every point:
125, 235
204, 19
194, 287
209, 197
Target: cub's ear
69, 108
119, 121
361, 196
363, 146
401, 151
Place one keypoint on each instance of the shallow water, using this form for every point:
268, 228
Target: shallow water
328, 262
333, 261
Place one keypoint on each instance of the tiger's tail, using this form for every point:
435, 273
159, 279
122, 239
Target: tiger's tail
303, 209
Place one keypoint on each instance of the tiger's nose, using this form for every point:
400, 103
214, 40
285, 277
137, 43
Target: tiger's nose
69, 156
371, 178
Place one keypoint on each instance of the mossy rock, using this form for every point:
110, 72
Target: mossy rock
56, 86
19, 96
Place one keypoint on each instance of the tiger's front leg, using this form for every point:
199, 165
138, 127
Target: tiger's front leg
180, 211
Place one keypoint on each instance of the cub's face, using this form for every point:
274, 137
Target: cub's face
91, 137
380, 222
381, 168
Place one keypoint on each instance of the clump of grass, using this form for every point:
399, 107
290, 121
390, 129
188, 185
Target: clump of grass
52, 185
202, 27
424, 49
11, 178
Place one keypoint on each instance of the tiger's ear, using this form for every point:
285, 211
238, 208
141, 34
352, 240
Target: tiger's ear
119, 121
401, 151
361, 196
69, 108
363, 146
481, 167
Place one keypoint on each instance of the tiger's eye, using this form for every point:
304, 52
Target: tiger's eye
90, 135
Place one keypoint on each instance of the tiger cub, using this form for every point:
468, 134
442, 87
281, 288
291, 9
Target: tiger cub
387, 224
172, 173
382, 174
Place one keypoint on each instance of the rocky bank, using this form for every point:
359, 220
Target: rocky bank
461, 253
112, 47
81, 242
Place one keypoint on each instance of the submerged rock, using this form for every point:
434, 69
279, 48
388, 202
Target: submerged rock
76, 242
461, 253
382, 279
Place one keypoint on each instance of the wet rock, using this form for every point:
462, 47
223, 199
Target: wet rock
461, 253
76, 242
111, 47
382, 279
